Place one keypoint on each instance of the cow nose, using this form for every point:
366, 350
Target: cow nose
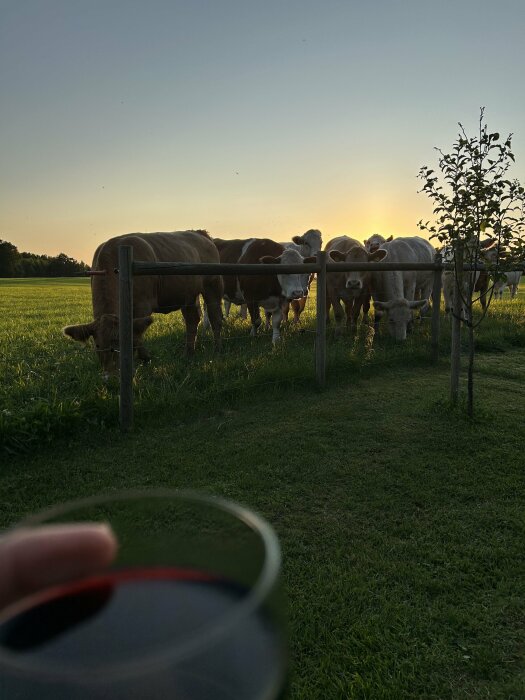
353, 284
297, 294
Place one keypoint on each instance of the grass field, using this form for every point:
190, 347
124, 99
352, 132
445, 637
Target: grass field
402, 523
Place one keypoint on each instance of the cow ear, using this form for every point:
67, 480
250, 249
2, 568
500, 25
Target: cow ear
377, 255
82, 332
310, 259
269, 260
337, 256
365, 241
141, 324
390, 238
298, 240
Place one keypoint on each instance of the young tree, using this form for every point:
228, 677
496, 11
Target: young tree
473, 196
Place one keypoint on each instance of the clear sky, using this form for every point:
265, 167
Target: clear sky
244, 117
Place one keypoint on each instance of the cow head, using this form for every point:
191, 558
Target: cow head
375, 242
356, 279
292, 286
104, 331
310, 242
399, 314
490, 253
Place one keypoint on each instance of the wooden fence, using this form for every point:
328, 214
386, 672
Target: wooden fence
128, 268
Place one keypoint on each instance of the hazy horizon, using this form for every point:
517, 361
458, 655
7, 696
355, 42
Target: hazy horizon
243, 118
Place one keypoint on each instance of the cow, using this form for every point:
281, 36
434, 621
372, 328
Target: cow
472, 281
272, 292
352, 288
309, 244
396, 292
375, 242
230, 252
488, 254
510, 280
151, 293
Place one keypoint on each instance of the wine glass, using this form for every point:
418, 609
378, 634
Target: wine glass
189, 609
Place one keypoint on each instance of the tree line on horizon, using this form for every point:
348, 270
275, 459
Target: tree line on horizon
21, 264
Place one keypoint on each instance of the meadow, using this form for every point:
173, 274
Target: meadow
401, 521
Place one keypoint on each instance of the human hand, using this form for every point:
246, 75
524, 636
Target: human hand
36, 558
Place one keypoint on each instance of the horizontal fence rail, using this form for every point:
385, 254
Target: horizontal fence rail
173, 268
128, 268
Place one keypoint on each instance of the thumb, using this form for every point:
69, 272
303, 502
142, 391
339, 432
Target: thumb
33, 559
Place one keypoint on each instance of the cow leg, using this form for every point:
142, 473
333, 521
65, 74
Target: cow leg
143, 354
349, 311
191, 314
227, 307
339, 315
215, 320
276, 323
483, 299
255, 316
356, 310
213, 293
365, 304
205, 318
328, 305
268, 323
243, 311
298, 308
285, 310
378, 315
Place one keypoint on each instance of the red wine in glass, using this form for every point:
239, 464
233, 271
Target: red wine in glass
120, 634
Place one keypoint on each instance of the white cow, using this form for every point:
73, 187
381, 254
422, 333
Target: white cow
487, 254
306, 245
375, 242
511, 280
395, 292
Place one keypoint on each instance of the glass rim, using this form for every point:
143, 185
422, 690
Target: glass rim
199, 640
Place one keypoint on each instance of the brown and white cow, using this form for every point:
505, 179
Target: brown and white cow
230, 252
399, 293
151, 294
352, 288
309, 244
272, 292
375, 242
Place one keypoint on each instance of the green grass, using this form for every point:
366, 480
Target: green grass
401, 521
51, 386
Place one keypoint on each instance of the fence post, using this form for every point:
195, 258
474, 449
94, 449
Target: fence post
125, 268
455, 344
436, 304
320, 333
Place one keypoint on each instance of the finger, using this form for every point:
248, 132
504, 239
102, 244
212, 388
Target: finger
33, 559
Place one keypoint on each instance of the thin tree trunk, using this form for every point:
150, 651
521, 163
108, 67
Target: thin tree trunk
455, 346
470, 385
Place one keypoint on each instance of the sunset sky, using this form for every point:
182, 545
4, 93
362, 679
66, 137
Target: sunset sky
244, 117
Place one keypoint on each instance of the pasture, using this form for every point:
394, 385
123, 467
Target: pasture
401, 521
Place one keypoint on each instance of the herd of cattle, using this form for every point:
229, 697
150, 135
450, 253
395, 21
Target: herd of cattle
396, 294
